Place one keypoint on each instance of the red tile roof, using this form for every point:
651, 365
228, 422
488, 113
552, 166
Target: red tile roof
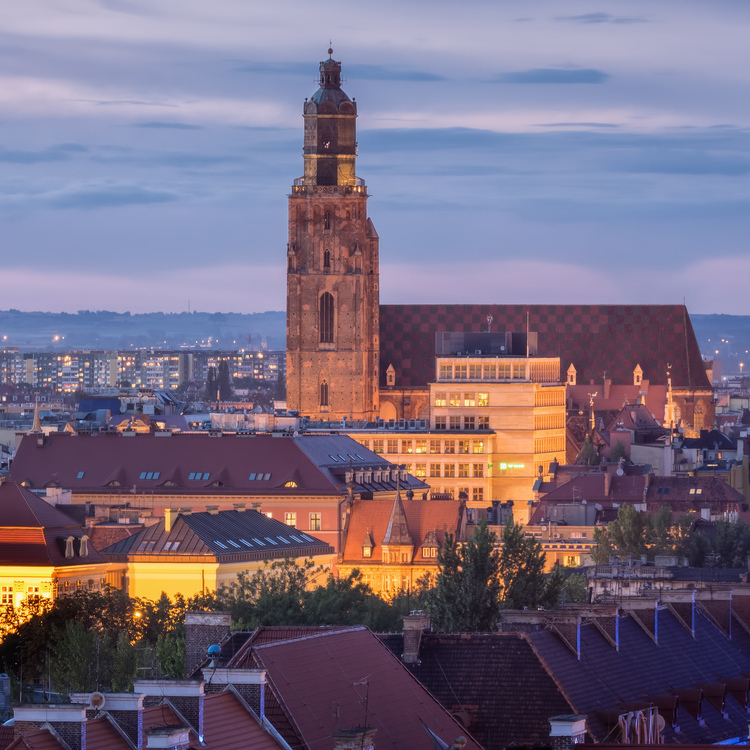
592, 337
164, 715
38, 739
345, 679
104, 734
198, 464
228, 724
33, 533
373, 517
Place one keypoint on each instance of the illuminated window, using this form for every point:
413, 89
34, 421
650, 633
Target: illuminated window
469, 399
290, 519
478, 470
290, 484
315, 521
439, 399
483, 399
477, 446
463, 470
455, 399
366, 551
463, 446
407, 446
326, 318
420, 470
6, 595
377, 446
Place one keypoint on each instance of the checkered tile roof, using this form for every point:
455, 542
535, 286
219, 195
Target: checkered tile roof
594, 338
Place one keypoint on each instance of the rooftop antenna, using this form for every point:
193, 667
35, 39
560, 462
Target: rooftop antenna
489, 321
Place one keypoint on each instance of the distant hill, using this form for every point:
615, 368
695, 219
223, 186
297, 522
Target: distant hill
36, 331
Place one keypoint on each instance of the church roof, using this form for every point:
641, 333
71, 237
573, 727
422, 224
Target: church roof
592, 337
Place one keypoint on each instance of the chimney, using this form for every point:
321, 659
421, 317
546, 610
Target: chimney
240, 507
185, 695
66, 719
607, 483
168, 738
170, 516
126, 709
567, 730
414, 625
249, 683
359, 738
203, 629
212, 509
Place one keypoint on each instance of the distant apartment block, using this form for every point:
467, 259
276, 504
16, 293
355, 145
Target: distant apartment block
67, 372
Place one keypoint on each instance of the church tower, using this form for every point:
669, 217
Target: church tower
332, 312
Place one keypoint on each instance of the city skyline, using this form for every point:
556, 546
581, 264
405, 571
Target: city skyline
529, 152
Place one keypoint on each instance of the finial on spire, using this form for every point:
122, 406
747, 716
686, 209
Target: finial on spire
330, 48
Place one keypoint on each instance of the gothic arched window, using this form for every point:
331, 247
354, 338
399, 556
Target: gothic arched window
326, 318
327, 261
324, 393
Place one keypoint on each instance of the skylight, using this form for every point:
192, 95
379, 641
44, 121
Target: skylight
275, 544
148, 475
308, 538
199, 475
296, 539
245, 542
285, 540
80, 475
220, 544
234, 544
257, 541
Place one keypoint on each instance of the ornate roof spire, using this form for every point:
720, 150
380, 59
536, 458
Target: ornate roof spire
397, 531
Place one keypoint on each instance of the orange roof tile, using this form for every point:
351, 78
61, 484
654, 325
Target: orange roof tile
230, 725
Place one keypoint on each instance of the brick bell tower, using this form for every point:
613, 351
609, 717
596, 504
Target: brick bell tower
332, 312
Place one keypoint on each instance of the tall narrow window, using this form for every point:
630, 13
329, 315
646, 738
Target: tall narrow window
327, 261
327, 220
326, 318
324, 393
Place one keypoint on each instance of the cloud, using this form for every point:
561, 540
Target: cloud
351, 70
60, 152
554, 75
156, 125
602, 18
576, 125
92, 197
228, 287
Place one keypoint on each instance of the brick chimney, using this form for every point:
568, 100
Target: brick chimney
124, 708
414, 625
203, 629
68, 721
359, 738
566, 731
249, 683
185, 695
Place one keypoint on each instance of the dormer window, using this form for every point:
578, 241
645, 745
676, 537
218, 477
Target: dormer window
366, 550
84, 546
69, 551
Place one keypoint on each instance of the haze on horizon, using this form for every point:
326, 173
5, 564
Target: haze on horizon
517, 152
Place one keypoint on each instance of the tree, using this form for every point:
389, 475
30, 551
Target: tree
211, 384
521, 569
617, 452
575, 590
588, 456
628, 532
660, 531
224, 382
602, 551
466, 595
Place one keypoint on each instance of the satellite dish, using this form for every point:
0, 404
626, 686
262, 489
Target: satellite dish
97, 700
661, 723
620, 472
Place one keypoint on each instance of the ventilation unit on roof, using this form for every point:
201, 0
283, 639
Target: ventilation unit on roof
412, 424
477, 351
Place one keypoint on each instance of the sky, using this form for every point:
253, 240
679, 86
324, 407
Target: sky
520, 151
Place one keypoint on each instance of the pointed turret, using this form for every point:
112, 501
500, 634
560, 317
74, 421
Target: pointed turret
397, 531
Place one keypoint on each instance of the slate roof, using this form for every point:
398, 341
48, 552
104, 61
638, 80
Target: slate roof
711, 440
324, 681
605, 680
229, 724
373, 516
493, 681
33, 533
592, 337
227, 535
199, 464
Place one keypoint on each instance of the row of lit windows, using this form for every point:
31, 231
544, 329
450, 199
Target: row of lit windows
482, 371
313, 524
462, 423
422, 446
549, 397
462, 399
448, 470
549, 445
549, 421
